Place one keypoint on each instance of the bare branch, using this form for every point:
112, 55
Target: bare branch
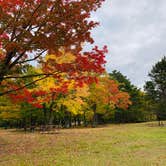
29, 76
32, 59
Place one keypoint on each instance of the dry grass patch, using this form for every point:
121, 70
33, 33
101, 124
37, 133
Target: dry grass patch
125, 145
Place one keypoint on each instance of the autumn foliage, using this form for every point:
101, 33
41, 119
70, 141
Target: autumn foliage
64, 81
29, 29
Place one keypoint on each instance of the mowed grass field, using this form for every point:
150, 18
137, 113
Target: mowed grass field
141, 144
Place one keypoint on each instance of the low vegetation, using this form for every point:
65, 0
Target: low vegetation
127, 145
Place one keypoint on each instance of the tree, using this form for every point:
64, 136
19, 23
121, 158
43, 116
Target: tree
105, 96
65, 103
156, 88
52, 93
135, 112
82, 67
31, 28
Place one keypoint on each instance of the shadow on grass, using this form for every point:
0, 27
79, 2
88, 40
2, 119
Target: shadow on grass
156, 124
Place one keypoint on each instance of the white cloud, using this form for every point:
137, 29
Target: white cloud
135, 32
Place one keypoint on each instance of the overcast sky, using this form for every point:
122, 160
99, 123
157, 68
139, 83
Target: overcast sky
135, 33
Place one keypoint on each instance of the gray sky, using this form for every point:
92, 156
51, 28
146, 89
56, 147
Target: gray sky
135, 33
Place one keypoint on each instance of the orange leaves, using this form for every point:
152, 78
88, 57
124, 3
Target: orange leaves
124, 100
119, 98
107, 92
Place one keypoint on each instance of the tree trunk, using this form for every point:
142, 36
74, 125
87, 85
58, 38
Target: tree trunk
95, 120
84, 120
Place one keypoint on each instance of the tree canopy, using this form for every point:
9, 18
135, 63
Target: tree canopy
31, 29
156, 88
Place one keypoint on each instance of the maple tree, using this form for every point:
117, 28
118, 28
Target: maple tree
105, 95
31, 28
44, 94
67, 67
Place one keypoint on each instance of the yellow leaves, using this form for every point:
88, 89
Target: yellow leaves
63, 57
83, 91
74, 105
10, 114
74, 101
8, 107
38, 70
71, 85
112, 105
46, 84
8, 110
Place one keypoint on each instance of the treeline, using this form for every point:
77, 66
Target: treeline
89, 104
112, 99
149, 104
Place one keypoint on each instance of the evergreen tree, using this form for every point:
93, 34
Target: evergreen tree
156, 88
135, 112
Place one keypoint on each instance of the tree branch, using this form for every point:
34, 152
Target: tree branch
32, 59
28, 76
26, 85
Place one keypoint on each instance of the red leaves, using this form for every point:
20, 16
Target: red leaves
39, 93
36, 98
83, 69
39, 26
63, 89
92, 61
27, 96
4, 36
10, 5
35, 26
37, 105
48, 24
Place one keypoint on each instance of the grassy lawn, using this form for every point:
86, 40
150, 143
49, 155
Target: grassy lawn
114, 145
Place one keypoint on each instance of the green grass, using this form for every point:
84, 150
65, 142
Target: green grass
114, 145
